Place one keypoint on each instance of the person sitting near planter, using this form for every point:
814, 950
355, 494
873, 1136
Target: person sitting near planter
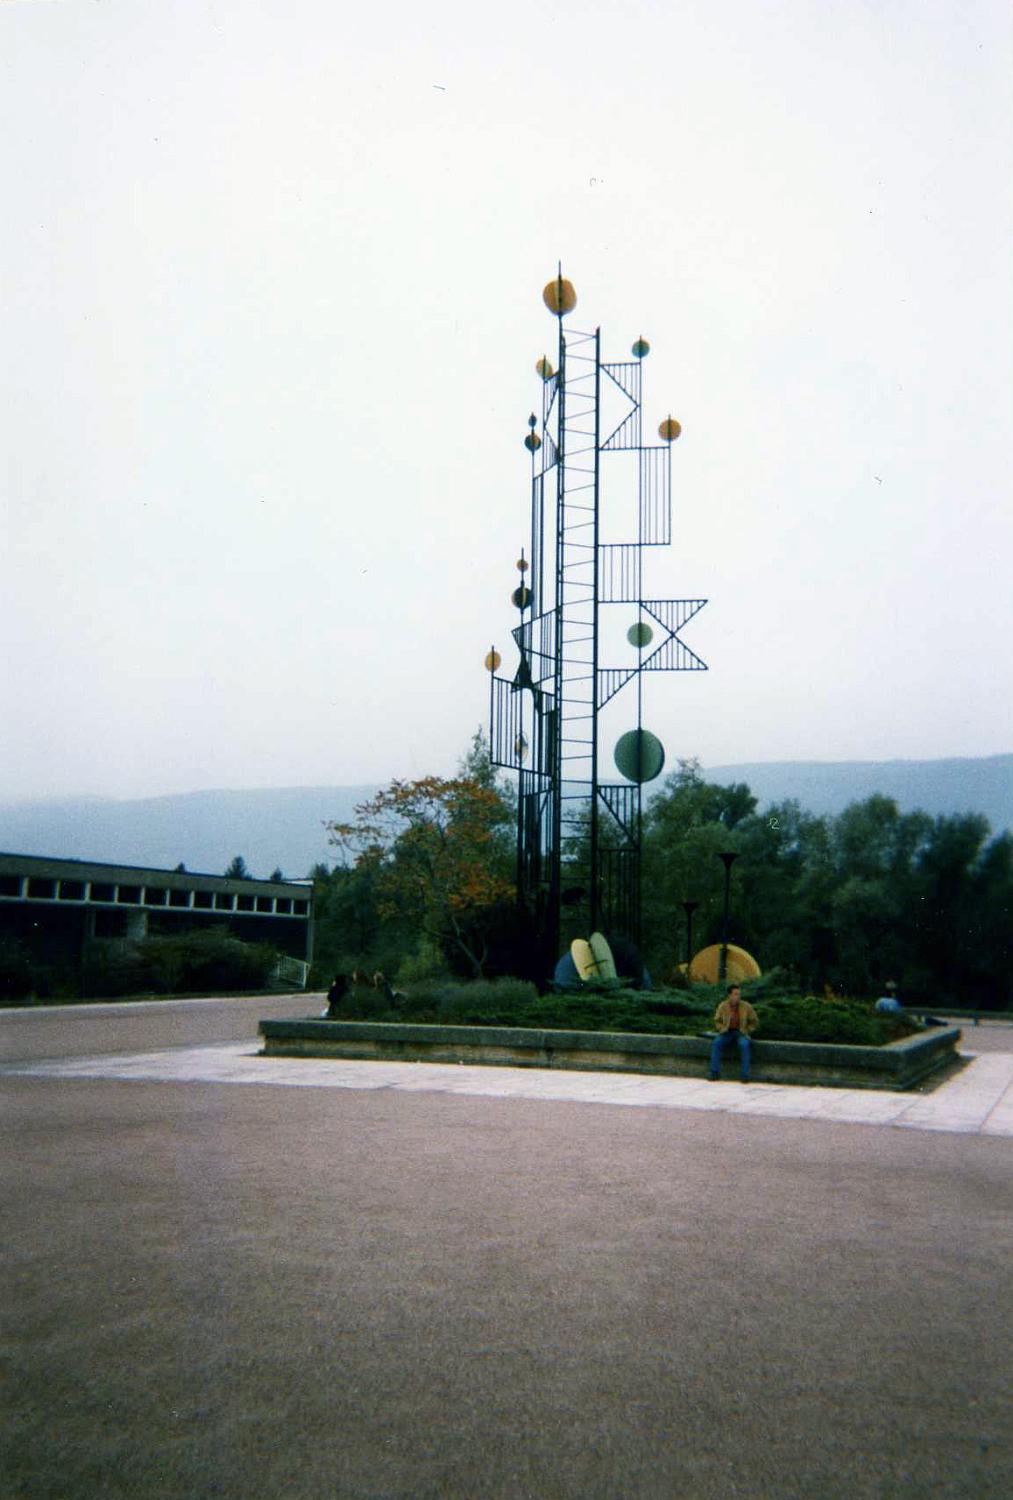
335, 995
888, 1004
736, 1020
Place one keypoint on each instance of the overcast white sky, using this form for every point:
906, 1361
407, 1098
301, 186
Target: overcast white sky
271, 280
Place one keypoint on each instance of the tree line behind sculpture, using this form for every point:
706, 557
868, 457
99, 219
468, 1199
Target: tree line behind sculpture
851, 900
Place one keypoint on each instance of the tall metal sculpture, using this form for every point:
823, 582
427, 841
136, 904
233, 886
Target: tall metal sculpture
579, 836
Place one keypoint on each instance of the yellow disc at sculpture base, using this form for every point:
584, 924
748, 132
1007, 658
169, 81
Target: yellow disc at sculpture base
706, 965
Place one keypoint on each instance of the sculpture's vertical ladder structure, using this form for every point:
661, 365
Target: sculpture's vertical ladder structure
579, 837
576, 610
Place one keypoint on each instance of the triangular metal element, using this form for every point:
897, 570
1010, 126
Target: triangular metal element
550, 454
625, 435
620, 800
522, 678
626, 375
673, 614
611, 680
673, 655
535, 641
627, 378
522, 635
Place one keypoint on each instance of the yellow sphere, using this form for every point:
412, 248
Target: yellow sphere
492, 661
706, 965
669, 429
522, 565
544, 368
559, 296
532, 442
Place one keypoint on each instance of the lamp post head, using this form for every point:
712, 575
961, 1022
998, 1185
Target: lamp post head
727, 860
689, 907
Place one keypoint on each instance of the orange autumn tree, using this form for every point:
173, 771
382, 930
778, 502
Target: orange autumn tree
439, 852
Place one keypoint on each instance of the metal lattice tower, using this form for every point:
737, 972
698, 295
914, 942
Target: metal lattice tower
579, 837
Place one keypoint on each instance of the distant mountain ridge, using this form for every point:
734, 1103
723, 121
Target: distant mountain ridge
283, 827
974, 784
273, 828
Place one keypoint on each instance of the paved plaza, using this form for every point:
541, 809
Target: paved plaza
240, 1276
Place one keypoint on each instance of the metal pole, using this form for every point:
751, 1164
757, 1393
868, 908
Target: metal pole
727, 860
595, 877
556, 876
689, 907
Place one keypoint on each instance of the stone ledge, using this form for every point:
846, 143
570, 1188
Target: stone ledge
899, 1065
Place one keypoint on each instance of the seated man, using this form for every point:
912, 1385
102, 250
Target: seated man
735, 1020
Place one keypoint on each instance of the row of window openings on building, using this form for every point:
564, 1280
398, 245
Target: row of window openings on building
38, 888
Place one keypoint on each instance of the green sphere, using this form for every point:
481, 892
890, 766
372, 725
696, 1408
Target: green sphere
640, 635
640, 756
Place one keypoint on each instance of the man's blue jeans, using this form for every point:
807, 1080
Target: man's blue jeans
721, 1043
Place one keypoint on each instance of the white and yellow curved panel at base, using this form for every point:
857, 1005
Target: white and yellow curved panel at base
706, 965
584, 959
603, 956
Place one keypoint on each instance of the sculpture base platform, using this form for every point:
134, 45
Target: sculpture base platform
897, 1066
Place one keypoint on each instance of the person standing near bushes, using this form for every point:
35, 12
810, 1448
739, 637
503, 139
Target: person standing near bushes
736, 1020
335, 995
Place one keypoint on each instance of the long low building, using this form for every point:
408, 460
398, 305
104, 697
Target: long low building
59, 904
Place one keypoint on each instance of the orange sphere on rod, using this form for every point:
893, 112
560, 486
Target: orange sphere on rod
559, 296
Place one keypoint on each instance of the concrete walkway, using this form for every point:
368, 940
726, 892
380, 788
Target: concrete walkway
977, 1100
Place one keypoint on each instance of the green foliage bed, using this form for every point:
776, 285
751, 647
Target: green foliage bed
514, 1002
188, 963
853, 899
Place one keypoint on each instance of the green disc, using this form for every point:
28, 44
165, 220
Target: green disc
640, 755
640, 635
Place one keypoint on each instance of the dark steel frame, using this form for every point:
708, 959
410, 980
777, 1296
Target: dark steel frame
578, 838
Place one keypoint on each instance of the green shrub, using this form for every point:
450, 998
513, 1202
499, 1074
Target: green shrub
206, 959
426, 964
112, 967
811, 1019
17, 974
515, 1002
210, 958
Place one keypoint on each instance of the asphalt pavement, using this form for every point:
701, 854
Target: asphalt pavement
224, 1284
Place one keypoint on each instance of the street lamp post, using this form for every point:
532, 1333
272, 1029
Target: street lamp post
689, 907
727, 860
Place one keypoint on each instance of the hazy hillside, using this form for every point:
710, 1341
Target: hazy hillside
283, 827
982, 785
277, 827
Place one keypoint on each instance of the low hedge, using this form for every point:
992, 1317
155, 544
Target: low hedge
206, 960
514, 1002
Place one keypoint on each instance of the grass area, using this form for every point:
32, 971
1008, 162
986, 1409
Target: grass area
514, 1002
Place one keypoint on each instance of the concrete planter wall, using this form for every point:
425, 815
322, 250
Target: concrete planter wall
900, 1065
